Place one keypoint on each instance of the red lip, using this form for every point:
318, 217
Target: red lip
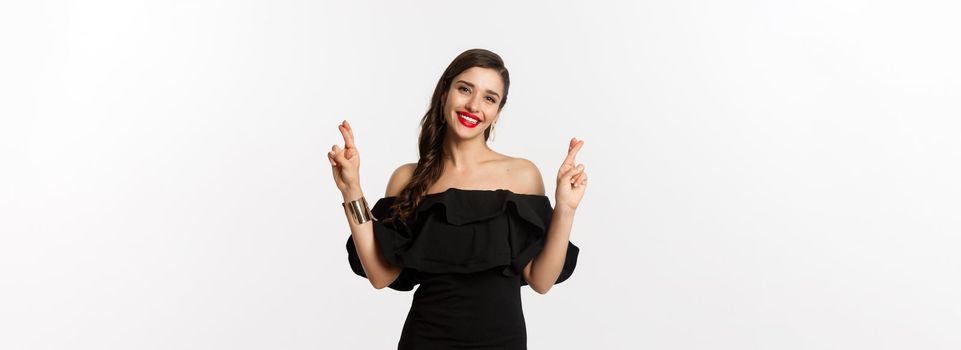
468, 114
465, 123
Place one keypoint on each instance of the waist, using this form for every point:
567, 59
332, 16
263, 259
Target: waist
476, 292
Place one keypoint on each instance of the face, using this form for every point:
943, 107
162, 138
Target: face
472, 101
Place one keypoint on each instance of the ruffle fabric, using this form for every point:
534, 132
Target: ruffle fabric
464, 231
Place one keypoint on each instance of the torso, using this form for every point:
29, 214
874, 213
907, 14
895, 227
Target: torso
517, 175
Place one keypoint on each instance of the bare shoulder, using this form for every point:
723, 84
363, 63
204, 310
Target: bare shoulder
526, 176
400, 178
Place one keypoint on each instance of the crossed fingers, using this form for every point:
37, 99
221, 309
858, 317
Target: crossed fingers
350, 149
572, 150
348, 133
580, 177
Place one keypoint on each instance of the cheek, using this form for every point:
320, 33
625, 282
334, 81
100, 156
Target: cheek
448, 103
491, 110
453, 100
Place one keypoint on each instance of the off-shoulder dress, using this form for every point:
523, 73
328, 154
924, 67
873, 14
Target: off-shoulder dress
467, 250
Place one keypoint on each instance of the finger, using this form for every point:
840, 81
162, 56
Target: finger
569, 174
576, 178
578, 173
582, 182
350, 152
330, 158
339, 155
572, 153
348, 135
577, 148
332, 154
350, 129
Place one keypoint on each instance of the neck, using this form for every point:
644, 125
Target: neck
464, 154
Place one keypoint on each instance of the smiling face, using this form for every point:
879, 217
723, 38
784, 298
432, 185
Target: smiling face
473, 102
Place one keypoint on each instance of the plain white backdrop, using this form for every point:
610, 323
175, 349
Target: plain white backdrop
764, 174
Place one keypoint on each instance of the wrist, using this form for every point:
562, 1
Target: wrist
564, 211
352, 193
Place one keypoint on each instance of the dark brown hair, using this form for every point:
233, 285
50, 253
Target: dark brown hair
434, 128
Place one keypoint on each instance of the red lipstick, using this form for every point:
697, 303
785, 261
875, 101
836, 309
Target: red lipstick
465, 122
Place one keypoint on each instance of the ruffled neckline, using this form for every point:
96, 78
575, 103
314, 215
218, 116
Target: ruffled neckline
457, 189
459, 206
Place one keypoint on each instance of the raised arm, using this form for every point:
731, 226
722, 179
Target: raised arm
345, 164
542, 272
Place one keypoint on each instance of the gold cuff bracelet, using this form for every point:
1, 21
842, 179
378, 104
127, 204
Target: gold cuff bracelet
359, 209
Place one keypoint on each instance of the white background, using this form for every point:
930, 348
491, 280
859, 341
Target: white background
764, 174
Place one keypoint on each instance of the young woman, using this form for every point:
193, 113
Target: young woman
469, 225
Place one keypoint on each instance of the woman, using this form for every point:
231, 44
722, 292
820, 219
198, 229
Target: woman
469, 225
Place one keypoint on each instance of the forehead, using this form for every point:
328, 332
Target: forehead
482, 78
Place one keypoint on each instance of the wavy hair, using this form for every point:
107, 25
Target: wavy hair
430, 166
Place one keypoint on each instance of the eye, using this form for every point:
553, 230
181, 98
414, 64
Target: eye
491, 99
464, 89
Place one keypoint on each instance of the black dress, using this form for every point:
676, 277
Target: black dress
467, 249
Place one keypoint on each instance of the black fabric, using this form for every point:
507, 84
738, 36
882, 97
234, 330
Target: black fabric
467, 249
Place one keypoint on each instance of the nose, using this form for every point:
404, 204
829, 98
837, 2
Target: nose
472, 104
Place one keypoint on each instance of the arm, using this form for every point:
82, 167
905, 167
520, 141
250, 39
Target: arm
379, 272
542, 272
345, 164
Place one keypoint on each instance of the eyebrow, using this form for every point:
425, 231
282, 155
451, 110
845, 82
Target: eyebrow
472, 85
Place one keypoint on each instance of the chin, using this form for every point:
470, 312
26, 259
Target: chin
462, 132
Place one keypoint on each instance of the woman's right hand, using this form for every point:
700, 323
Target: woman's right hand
345, 162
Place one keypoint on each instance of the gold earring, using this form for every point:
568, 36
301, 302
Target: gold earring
492, 131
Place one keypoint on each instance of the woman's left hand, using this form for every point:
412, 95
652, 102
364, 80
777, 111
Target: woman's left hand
571, 178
